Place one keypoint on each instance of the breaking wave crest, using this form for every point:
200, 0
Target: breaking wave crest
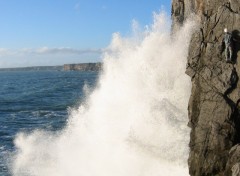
135, 121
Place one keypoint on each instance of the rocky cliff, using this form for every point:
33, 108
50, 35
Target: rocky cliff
214, 116
83, 67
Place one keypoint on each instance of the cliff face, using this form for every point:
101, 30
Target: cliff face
83, 67
214, 116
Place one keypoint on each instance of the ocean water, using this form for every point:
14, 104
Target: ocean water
32, 100
133, 122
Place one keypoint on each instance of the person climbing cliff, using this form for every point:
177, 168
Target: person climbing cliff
228, 45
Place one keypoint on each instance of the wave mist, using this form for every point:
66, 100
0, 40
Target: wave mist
135, 121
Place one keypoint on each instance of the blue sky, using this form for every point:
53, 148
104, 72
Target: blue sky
54, 32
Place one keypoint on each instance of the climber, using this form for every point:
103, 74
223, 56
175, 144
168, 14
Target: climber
228, 42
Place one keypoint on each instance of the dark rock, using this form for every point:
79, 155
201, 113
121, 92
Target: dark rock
177, 13
214, 116
233, 164
83, 67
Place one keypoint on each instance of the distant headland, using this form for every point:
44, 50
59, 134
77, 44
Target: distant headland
66, 67
83, 67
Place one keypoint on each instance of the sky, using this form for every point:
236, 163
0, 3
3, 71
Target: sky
57, 32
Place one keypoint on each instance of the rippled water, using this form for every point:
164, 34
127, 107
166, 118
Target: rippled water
37, 100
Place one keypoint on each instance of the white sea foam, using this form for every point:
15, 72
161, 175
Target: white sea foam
133, 124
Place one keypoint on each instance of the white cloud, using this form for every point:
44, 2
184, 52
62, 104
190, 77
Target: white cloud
47, 56
63, 50
48, 51
4, 52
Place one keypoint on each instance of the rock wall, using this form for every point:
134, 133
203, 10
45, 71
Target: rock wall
83, 67
214, 116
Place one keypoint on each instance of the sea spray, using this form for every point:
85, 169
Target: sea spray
133, 123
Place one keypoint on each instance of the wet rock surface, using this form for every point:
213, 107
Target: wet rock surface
214, 116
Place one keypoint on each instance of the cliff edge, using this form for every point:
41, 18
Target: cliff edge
214, 116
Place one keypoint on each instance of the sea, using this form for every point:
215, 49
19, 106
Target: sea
128, 120
32, 100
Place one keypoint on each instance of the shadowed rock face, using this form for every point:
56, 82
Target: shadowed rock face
214, 116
